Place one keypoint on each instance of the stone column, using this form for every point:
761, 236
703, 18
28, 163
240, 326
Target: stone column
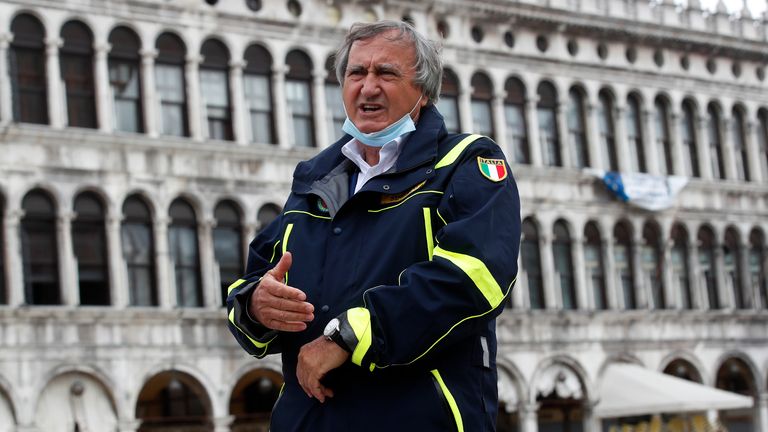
698, 287
128, 425
590, 421
195, 110
649, 133
166, 286
532, 129
762, 411
500, 125
671, 295
753, 152
641, 290
237, 95
13, 256
205, 235
69, 285
149, 93
675, 142
281, 107
562, 134
583, 300
104, 97
611, 287
117, 277
548, 272
620, 135
320, 108
702, 141
527, 413
598, 159
57, 107
6, 101
724, 294
729, 157
465, 109
223, 424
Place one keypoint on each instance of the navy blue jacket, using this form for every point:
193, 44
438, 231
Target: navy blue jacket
417, 266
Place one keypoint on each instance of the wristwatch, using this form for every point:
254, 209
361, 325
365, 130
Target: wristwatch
332, 332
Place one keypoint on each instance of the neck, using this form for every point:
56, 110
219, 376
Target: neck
371, 154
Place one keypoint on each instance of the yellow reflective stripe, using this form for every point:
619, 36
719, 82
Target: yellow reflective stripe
234, 285
308, 214
406, 199
456, 151
256, 343
451, 401
287, 234
274, 251
441, 217
428, 231
478, 272
360, 321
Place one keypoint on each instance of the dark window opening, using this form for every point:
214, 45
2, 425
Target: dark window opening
89, 239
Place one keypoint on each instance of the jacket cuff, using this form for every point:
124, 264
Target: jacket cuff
242, 319
355, 330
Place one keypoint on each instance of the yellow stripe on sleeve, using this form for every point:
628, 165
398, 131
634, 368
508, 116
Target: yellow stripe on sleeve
456, 151
360, 320
478, 272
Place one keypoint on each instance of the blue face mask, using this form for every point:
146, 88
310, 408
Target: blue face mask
389, 133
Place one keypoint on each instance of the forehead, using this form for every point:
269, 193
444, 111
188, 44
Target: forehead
387, 47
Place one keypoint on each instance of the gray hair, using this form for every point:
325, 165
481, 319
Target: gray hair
429, 63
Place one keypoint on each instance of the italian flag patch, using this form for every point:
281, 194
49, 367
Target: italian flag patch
492, 169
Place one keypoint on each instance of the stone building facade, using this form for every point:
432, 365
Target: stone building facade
143, 143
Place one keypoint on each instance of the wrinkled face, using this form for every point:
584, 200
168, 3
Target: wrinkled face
378, 84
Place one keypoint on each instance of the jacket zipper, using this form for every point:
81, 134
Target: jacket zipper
448, 401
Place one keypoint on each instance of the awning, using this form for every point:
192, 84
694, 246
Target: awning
629, 390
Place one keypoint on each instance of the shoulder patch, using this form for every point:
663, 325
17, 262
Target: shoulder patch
492, 169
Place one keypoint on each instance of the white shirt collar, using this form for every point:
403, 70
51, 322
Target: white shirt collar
387, 157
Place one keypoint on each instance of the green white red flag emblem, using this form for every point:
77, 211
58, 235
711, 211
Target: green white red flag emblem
492, 169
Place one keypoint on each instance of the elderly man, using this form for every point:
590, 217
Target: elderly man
381, 280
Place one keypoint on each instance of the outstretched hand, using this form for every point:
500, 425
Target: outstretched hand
278, 306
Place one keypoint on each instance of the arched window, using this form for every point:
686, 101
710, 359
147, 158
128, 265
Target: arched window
732, 267
27, 70
606, 127
739, 145
735, 376
482, 96
514, 115
40, 250
174, 400
298, 94
125, 79
622, 259
139, 252
758, 273
688, 136
663, 143
253, 398
267, 213
652, 264
76, 60
171, 84
561, 249
593, 260
448, 104
577, 133
257, 78
335, 102
531, 260
635, 135
683, 369
3, 293
228, 245
183, 245
706, 252
680, 269
546, 113
89, 238
715, 142
214, 87
762, 141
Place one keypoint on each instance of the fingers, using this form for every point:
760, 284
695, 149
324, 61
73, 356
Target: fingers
279, 306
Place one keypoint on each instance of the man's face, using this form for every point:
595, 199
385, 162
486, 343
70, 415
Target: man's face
378, 84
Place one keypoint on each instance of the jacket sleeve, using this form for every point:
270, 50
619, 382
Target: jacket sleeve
263, 253
472, 269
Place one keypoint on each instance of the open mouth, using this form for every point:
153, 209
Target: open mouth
370, 108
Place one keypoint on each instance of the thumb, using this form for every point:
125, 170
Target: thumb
282, 266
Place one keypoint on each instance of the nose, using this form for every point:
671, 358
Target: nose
370, 86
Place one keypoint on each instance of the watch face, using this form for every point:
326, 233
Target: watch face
331, 327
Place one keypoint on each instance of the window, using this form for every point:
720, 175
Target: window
27, 70
125, 79
76, 61
762, 141
514, 115
593, 260
577, 134
606, 127
561, 248
688, 135
757, 269
482, 97
89, 239
706, 241
183, 245
663, 143
715, 142
228, 245
546, 113
171, 84
679, 257
40, 250
448, 104
267, 214
258, 94
732, 267
531, 261
173, 400
622, 259
652, 266
335, 102
739, 145
298, 93
214, 87
139, 252
635, 135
